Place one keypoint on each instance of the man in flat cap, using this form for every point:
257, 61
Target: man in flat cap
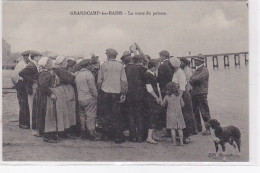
112, 83
199, 81
30, 77
87, 97
135, 98
165, 74
24, 113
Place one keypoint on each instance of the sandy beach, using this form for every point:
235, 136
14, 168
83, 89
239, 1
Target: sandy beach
228, 103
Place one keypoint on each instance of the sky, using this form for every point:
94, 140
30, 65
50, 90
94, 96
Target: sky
196, 27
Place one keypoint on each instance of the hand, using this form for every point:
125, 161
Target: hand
158, 101
53, 97
137, 46
122, 98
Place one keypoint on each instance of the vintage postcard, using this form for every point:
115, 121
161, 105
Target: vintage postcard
125, 81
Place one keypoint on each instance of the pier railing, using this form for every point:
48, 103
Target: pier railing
225, 56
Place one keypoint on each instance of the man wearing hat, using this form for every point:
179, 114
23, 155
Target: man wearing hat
87, 97
24, 113
199, 81
30, 77
135, 98
165, 74
112, 83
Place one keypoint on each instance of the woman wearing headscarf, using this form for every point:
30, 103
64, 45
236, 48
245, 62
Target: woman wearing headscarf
179, 78
61, 115
45, 82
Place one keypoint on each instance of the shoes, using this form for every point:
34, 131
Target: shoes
151, 141
134, 140
140, 139
186, 141
50, 140
70, 136
36, 133
206, 132
119, 140
24, 127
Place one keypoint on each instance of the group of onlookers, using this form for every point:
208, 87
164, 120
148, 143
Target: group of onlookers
64, 98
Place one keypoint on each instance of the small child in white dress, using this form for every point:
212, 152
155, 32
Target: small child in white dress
175, 120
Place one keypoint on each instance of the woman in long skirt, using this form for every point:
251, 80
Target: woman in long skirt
61, 115
45, 82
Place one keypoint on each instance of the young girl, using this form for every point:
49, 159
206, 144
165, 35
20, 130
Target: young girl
175, 120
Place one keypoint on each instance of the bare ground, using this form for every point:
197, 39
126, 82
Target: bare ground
230, 108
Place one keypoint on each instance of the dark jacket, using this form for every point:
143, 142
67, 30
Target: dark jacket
199, 81
30, 76
165, 74
136, 82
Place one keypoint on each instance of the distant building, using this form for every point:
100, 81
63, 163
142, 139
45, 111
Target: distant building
7, 60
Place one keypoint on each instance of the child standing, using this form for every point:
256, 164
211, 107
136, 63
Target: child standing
175, 120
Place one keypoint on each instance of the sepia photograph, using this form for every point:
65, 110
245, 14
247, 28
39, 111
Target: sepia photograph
125, 81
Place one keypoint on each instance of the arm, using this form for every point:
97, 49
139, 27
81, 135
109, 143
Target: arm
100, 78
65, 76
164, 103
123, 82
151, 91
182, 82
92, 86
199, 77
141, 53
45, 81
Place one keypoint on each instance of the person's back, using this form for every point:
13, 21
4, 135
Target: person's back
165, 74
111, 71
83, 80
136, 82
174, 106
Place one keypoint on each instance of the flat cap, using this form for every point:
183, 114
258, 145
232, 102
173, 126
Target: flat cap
164, 53
200, 57
31, 52
112, 52
85, 62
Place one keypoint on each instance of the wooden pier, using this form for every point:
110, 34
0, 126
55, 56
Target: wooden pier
226, 56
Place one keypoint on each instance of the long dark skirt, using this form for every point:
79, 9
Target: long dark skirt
39, 110
188, 115
24, 114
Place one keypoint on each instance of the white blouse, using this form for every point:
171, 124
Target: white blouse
179, 77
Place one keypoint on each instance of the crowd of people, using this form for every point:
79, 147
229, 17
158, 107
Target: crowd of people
65, 98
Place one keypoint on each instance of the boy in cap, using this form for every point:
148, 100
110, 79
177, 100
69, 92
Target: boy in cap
30, 77
135, 98
112, 83
87, 97
199, 81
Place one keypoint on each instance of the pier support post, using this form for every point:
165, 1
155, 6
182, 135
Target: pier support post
246, 59
206, 62
215, 61
226, 61
192, 64
237, 59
